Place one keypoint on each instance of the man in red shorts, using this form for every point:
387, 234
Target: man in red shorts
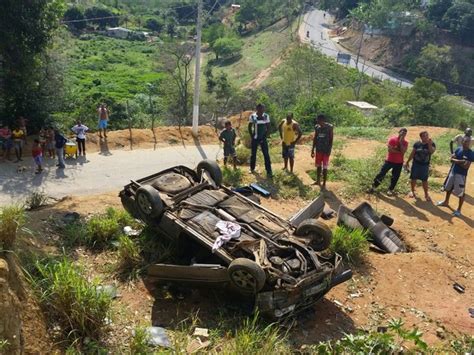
322, 146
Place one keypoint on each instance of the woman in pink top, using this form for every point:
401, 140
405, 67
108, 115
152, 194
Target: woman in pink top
397, 146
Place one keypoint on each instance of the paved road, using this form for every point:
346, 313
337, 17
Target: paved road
318, 26
100, 172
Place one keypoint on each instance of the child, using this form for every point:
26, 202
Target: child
228, 137
37, 154
42, 138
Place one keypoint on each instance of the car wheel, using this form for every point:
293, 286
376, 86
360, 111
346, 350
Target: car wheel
211, 167
317, 234
246, 276
148, 202
172, 183
130, 206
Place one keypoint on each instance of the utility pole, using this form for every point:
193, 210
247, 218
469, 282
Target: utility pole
360, 46
197, 72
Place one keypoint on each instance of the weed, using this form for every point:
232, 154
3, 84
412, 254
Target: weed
74, 234
232, 177
102, 229
243, 154
36, 200
12, 219
139, 342
351, 244
128, 255
389, 342
463, 345
253, 338
443, 154
288, 185
3, 345
156, 248
121, 216
71, 299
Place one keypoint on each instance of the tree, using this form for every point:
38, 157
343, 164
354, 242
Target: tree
25, 31
213, 32
76, 15
437, 62
437, 9
103, 17
171, 29
177, 60
154, 25
422, 99
460, 19
227, 47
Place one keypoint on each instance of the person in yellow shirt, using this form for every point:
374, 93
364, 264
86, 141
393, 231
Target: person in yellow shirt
290, 134
18, 137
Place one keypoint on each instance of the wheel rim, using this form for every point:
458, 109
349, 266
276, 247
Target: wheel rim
144, 204
244, 280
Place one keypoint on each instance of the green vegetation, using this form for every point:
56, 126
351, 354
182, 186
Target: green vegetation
70, 299
351, 244
129, 258
232, 177
3, 345
139, 342
396, 338
12, 218
372, 133
36, 200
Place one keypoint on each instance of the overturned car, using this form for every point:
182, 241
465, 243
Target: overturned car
260, 254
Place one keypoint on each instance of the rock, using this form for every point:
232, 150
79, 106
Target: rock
71, 217
440, 333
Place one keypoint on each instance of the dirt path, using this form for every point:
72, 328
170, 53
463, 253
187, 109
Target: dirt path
264, 74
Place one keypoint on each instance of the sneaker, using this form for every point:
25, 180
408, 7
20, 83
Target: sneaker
371, 190
440, 203
390, 193
457, 213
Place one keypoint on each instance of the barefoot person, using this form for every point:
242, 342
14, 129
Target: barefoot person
456, 181
80, 130
228, 137
6, 143
458, 140
421, 156
103, 112
259, 130
396, 146
290, 134
18, 137
322, 147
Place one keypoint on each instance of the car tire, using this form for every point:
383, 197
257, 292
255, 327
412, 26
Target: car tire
130, 205
316, 233
212, 169
246, 276
148, 203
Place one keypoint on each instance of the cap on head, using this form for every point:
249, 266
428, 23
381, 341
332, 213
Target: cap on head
468, 132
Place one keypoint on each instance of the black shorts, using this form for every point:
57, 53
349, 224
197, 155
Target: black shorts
419, 171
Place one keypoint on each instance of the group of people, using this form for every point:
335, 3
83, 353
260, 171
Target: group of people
49, 140
417, 164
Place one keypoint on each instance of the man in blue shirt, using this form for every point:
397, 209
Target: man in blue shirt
456, 181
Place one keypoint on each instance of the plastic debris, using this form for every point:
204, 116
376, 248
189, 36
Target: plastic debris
109, 290
201, 332
129, 231
158, 337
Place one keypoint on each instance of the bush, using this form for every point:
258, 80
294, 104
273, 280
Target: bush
36, 200
12, 219
243, 154
139, 342
128, 255
351, 244
232, 177
71, 299
376, 343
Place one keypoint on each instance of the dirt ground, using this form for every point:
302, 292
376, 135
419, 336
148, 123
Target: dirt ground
416, 286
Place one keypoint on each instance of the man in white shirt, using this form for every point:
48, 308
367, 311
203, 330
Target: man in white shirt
80, 130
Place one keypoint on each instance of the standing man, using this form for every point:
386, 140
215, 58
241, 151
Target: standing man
397, 146
228, 136
458, 140
290, 134
421, 155
259, 130
60, 141
456, 181
80, 130
322, 147
103, 112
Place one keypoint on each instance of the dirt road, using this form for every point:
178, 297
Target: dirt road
105, 171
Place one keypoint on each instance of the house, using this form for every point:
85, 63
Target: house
363, 106
235, 7
119, 32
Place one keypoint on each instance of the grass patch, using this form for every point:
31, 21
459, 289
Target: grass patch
372, 133
232, 177
351, 244
36, 200
4, 344
358, 174
287, 185
12, 218
99, 230
71, 299
442, 154
392, 341
129, 258
139, 342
